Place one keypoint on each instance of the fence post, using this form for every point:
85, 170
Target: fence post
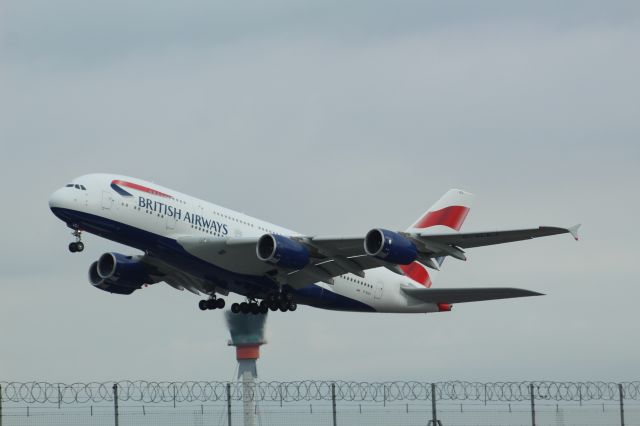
621, 404
115, 402
228, 404
533, 405
384, 395
333, 403
434, 414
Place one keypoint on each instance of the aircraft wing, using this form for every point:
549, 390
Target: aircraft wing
176, 278
331, 256
461, 295
477, 239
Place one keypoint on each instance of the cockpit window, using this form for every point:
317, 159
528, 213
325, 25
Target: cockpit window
76, 186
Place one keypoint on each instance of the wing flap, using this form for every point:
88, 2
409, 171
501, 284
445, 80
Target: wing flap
462, 295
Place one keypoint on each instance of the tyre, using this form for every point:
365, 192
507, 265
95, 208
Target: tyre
293, 306
273, 306
79, 246
244, 308
235, 308
255, 309
220, 303
202, 305
211, 303
264, 308
72, 247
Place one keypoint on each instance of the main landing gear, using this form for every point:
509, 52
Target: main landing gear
212, 303
275, 301
281, 301
250, 307
78, 245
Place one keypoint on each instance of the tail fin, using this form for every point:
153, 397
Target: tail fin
449, 212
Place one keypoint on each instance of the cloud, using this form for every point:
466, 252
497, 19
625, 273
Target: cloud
328, 119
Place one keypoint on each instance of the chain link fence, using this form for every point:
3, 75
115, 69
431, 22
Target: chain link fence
320, 403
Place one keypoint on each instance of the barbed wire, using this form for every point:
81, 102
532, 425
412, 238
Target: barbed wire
311, 390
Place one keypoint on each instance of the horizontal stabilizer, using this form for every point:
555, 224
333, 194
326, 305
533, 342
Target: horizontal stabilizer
461, 295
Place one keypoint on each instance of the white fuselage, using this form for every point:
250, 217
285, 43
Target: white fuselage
145, 215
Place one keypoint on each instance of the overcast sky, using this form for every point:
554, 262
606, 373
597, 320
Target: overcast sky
329, 118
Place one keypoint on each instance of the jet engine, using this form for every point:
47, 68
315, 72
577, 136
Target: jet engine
282, 251
390, 246
117, 273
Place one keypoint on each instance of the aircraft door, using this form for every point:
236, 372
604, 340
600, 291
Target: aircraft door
171, 223
107, 200
378, 289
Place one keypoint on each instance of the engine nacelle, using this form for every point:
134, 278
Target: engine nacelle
390, 246
282, 251
119, 267
119, 287
118, 273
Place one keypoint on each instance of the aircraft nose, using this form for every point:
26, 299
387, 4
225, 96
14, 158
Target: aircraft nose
56, 199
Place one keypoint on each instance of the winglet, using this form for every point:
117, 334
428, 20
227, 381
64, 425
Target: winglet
573, 230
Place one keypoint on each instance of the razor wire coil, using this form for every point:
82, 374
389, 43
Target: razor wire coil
311, 390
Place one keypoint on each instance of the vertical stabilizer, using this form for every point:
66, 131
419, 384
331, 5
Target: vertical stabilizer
447, 214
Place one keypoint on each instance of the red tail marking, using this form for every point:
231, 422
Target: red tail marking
452, 216
417, 272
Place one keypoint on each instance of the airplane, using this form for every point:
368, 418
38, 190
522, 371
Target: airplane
207, 249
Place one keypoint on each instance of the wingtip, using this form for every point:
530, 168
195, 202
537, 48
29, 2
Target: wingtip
573, 230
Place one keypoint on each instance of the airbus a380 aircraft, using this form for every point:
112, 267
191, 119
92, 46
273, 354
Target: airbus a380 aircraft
204, 248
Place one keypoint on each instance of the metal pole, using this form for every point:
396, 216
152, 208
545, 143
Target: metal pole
621, 404
384, 396
115, 402
533, 405
434, 415
333, 403
228, 404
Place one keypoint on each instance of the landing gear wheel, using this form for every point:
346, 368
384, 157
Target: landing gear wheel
202, 305
77, 245
293, 306
255, 309
220, 303
235, 308
244, 308
211, 303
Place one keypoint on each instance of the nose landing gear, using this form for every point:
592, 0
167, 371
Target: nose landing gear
78, 245
212, 303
